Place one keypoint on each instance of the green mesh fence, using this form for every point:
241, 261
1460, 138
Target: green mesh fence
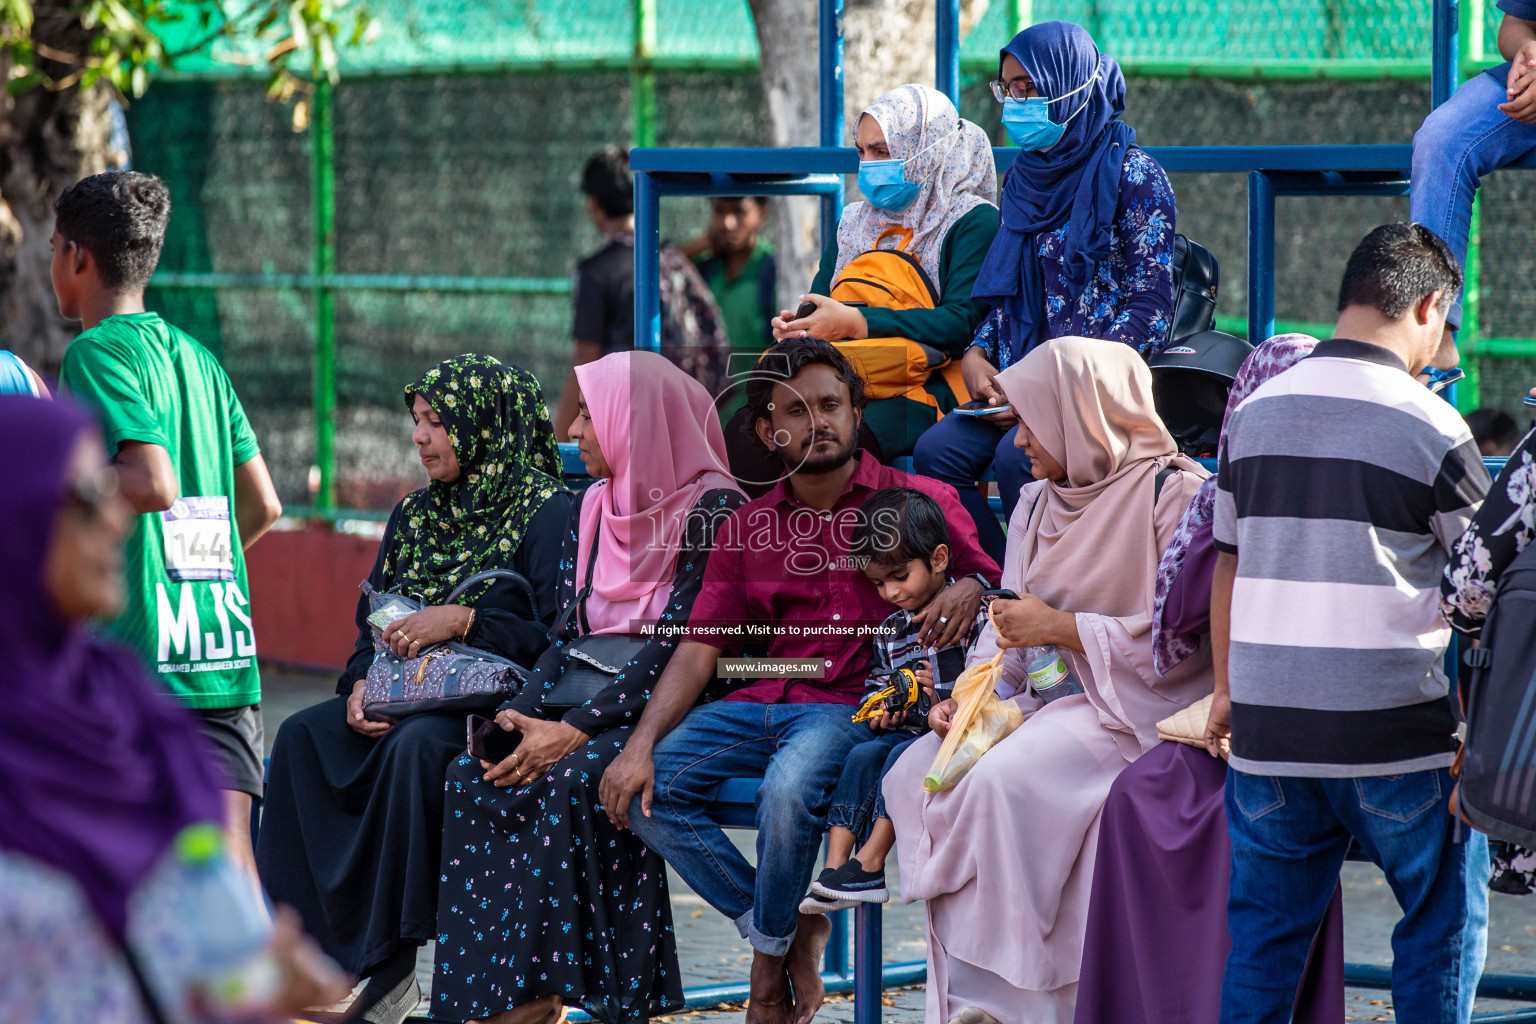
441, 173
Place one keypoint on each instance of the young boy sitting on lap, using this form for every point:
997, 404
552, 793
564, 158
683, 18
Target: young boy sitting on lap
902, 534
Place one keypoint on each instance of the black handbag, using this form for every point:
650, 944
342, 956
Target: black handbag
1196, 276
594, 660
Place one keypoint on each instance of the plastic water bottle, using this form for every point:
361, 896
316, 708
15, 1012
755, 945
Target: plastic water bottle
1049, 674
227, 926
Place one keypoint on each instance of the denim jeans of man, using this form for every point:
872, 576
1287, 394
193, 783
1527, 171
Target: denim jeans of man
958, 450
857, 801
1289, 839
1460, 141
799, 750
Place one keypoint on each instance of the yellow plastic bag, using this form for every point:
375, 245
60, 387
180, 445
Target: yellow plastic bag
982, 719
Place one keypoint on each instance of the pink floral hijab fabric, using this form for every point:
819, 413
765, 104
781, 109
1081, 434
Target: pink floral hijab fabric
660, 432
949, 155
1269, 359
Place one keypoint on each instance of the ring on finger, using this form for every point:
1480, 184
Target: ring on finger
943, 620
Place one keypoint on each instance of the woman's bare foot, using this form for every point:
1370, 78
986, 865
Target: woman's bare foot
804, 965
771, 1001
545, 1010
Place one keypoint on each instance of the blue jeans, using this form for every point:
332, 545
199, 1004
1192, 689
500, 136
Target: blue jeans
1289, 838
858, 800
957, 450
799, 750
1459, 142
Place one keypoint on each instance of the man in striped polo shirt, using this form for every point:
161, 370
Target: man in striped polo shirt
1343, 485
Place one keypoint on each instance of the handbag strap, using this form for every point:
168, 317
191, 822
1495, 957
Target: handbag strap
578, 603
502, 574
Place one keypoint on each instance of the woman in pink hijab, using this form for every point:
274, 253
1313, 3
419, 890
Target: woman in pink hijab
1020, 829
545, 904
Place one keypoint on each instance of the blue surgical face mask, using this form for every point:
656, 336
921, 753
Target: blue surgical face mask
885, 185
1028, 123
884, 182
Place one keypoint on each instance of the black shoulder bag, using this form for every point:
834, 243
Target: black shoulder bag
593, 660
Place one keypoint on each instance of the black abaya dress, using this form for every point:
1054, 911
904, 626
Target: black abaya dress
351, 826
541, 894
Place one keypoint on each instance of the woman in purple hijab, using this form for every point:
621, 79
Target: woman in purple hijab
1157, 936
99, 771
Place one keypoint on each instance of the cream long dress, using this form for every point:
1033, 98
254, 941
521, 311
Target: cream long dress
1005, 859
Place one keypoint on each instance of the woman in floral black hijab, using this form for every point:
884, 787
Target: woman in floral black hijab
509, 465
352, 826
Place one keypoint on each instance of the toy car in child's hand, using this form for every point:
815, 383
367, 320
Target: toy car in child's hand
901, 693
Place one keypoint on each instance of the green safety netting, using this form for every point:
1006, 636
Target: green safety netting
475, 175
434, 34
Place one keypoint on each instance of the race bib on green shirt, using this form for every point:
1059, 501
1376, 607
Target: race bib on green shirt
197, 541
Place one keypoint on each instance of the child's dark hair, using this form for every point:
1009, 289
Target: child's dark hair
896, 525
607, 179
118, 217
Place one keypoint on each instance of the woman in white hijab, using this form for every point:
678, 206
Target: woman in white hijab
929, 188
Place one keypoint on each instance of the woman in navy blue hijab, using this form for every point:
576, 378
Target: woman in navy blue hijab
1085, 247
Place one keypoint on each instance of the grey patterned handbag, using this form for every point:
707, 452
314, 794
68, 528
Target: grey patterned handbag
449, 676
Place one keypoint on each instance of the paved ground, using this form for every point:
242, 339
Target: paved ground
711, 951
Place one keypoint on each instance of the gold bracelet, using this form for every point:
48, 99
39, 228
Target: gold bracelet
468, 625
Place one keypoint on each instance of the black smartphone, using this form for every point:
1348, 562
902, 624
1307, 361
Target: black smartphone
805, 310
490, 742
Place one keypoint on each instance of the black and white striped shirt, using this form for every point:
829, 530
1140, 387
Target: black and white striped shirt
1342, 488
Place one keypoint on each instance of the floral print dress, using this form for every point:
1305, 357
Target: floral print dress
1130, 297
1501, 530
540, 893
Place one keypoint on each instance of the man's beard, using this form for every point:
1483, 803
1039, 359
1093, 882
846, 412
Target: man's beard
814, 462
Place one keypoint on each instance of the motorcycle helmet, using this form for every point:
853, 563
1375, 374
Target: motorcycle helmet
1190, 383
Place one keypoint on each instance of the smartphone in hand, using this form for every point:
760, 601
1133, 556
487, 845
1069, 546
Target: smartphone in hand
979, 407
490, 742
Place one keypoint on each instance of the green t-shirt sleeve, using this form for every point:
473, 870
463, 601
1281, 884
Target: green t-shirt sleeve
105, 382
950, 326
242, 439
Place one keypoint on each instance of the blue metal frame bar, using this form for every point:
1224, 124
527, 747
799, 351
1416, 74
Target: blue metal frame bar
829, 44
946, 49
1445, 28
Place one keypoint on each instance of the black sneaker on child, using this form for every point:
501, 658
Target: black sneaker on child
852, 882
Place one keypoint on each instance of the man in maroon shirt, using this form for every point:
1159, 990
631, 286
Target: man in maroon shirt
779, 574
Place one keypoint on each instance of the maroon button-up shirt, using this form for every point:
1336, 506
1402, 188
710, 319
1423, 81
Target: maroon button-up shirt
781, 566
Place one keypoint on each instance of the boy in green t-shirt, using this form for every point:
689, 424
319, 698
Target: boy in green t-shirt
188, 462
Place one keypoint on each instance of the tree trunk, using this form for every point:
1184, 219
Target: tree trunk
48, 141
886, 43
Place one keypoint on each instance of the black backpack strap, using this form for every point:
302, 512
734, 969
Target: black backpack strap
1161, 478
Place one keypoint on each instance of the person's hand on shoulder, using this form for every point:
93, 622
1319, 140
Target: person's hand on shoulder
947, 618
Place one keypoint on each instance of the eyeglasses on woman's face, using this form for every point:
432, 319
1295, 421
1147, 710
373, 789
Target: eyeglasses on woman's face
1021, 88
89, 494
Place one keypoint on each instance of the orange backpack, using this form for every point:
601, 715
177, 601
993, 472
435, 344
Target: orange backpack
894, 367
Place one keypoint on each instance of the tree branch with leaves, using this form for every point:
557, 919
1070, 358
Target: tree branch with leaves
64, 62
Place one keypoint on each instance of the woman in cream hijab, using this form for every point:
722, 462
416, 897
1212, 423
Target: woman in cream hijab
1020, 830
